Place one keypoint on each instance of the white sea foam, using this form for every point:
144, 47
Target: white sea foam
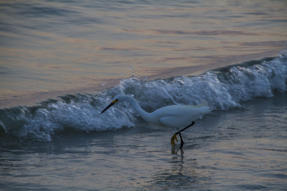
221, 89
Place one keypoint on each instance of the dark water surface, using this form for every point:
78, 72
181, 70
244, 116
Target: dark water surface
242, 149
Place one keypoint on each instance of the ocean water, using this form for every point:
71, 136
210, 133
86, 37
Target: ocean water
238, 149
67, 144
62, 62
50, 48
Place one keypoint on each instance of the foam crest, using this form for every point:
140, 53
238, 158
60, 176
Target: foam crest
221, 89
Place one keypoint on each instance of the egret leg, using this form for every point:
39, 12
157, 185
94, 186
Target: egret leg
183, 129
181, 141
173, 138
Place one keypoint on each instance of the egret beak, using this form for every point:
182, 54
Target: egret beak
111, 104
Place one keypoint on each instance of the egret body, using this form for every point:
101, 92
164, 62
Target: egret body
171, 116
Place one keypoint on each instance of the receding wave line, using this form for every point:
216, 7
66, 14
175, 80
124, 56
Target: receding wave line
222, 89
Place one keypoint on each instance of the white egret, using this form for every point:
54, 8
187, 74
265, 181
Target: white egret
171, 116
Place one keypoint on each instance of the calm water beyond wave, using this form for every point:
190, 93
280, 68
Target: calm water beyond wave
50, 48
62, 62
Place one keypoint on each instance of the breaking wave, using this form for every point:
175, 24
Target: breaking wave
222, 89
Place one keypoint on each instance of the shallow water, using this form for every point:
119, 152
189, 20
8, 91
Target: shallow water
164, 52
50, 48
239, 149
